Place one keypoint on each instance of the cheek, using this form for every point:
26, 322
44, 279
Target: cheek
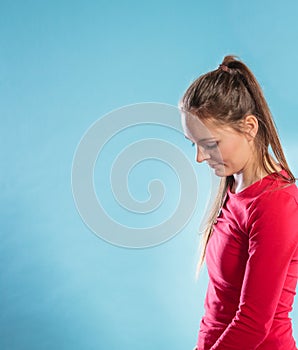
225, 152
232, 152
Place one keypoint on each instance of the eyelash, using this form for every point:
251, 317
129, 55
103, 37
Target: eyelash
207, 146
214, 145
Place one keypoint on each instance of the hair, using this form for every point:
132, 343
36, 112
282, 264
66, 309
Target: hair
226, 96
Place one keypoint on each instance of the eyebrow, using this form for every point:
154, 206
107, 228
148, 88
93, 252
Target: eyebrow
201, 140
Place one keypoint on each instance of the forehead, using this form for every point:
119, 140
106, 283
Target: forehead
195, 128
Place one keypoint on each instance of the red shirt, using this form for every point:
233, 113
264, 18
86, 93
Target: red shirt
252, 261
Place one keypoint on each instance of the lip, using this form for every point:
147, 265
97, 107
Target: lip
214, 165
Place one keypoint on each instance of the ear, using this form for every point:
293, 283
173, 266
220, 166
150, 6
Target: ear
250, 126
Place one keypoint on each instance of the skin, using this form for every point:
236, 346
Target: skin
227, 151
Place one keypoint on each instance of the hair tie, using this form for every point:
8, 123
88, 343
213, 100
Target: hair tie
225, 68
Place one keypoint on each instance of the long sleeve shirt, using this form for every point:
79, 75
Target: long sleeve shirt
252, 262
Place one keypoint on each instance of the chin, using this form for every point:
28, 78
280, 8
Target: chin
220, 171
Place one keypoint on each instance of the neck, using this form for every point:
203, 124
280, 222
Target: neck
251, 174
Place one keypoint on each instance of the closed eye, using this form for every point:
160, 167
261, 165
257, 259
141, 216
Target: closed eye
211, 146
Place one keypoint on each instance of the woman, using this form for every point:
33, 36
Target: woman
251, 242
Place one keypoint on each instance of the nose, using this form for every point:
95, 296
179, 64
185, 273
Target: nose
202, 154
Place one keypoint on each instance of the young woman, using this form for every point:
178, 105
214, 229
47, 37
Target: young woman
251, 242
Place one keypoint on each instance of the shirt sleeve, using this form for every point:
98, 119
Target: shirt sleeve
273, 235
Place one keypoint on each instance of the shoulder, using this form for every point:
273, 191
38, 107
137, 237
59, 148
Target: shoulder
277, 196
276, 199
275, 209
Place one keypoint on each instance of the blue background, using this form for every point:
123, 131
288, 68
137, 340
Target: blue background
63, 65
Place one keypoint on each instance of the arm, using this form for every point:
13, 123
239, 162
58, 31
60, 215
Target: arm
273, 236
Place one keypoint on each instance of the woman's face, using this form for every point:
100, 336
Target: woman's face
225, 150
